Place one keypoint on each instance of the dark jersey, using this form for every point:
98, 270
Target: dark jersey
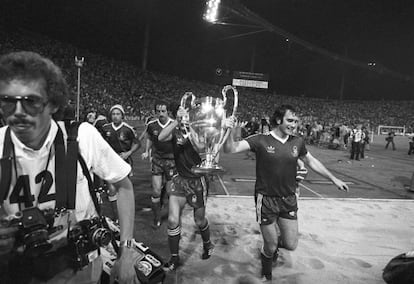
120, 138
276, 163
160, 149
184, 155
99, 123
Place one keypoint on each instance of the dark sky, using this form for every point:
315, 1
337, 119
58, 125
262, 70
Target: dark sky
182, 43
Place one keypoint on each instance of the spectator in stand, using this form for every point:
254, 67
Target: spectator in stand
108, 81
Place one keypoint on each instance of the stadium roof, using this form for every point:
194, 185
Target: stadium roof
344, 48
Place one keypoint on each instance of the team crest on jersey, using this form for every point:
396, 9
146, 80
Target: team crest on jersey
194, 199
294, 151
270, 149
122, 137
108, 133
155, 133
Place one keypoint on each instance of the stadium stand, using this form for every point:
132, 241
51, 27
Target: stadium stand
106, 82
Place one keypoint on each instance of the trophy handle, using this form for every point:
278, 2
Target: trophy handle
235, 94
185, 97
224, 137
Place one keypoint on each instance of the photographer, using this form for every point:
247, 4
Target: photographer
34, 180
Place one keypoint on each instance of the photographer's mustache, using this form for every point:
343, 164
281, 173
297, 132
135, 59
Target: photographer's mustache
19, 121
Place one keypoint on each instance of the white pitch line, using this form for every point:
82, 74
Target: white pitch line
223, 185
314, 192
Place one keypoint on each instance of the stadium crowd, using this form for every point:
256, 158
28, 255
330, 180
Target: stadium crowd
105, 82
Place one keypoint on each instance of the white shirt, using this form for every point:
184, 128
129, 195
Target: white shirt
99, 158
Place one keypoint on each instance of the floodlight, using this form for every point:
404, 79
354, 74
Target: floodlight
211, 13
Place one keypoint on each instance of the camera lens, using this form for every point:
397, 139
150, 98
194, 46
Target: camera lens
101, 237
37, 243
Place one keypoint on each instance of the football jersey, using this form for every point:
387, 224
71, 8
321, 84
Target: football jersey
120, 137
160, 149
99, 123
184, 155
276, 163
33, 173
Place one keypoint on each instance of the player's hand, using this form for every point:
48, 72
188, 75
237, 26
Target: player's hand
123, 270
230, 122
144, 155
7, 239
241, 124
341, 185
182, 113
124, 155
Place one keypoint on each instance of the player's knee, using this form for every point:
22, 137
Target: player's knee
200, 222
290, 244
156, 190
269, 248
173, 221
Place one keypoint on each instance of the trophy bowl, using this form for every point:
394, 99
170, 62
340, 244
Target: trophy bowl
206, 121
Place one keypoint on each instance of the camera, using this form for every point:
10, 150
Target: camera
34, 227
87, 236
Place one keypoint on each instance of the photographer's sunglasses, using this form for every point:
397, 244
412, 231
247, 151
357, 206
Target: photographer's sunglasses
32, 105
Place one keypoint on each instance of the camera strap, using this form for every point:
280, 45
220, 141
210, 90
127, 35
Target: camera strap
65, 170
72, 157
90, 183
6, 166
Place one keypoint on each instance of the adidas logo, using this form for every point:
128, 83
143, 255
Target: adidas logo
270, 149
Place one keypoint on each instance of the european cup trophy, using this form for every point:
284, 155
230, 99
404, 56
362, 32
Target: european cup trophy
206, 119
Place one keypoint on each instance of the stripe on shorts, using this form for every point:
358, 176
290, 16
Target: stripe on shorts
259, 203
204, 185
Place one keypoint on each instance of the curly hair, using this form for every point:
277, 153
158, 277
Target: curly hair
30, 66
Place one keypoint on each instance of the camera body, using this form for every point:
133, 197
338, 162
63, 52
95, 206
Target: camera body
87, 236
34, 227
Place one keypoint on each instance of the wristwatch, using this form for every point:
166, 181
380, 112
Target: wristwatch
127, 243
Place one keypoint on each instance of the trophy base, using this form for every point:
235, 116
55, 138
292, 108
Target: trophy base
212, 170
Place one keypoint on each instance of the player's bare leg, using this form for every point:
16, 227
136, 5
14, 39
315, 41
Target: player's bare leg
176, 205
157, 184
270, 242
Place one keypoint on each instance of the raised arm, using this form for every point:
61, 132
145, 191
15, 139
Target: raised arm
231, 146
166, 133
